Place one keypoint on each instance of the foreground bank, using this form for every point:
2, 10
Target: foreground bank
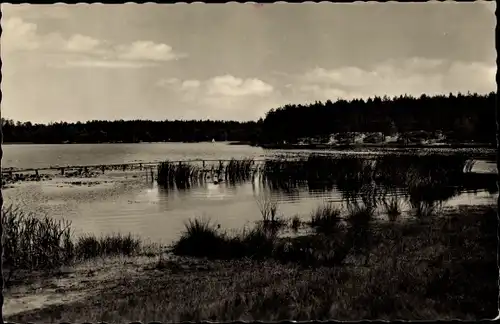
442, 267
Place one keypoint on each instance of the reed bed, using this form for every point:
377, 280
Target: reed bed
326, 218
185, 174
181, 175
203, 239
33, 243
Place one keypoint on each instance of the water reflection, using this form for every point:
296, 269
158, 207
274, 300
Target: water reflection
422, 182
157, 211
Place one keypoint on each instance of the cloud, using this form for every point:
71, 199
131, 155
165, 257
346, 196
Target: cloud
394, 77
228, 85
20, 36
110, 64
224, 96
81, 43
191, 84
147, 50
220, 86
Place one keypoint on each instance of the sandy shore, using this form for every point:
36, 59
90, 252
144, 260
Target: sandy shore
72, 284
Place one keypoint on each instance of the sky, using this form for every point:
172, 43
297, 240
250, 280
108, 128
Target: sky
234, 61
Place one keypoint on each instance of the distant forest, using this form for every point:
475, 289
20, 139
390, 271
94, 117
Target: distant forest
469, 117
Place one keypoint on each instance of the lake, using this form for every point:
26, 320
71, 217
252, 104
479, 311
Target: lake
134, 204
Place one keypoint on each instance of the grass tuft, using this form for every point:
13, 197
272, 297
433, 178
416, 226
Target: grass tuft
326, 218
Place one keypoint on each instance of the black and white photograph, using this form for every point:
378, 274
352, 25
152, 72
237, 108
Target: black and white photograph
249, 162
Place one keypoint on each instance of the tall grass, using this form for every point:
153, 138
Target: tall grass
89, 246
181, 175
238, 170
349, 170
35, 243
184, 174
295, 223
268, 208
202, 238
359, 236
392, 207
326, 218
42, 243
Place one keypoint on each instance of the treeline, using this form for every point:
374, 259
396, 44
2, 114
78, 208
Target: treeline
469, 117
133, 131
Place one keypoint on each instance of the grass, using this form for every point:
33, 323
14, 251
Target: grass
326, 218
268, 208
295, 223
90, 246
34, 243
184, 174
443, 269
429, 174
180, 175
392, 207
202, 239
238, 170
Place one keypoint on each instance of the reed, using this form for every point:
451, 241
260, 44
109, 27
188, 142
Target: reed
33, 242
326, 218
90, 246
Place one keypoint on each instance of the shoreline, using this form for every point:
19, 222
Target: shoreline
203, 289
378, 146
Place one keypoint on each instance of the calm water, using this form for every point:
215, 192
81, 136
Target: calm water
140, 207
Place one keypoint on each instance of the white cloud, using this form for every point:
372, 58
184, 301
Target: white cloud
18, 35
191, 84
111, 64
81, 43
21, 36
147, 50
394, 77
225, 96
228, 85
220, 86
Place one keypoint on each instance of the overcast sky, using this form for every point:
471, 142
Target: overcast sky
234, 61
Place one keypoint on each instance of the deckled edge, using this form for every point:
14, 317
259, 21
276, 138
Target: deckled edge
497, 112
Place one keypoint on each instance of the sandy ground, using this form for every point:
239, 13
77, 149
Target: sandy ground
72, 284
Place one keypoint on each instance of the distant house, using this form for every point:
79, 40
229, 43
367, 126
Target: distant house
374, 138
349, 138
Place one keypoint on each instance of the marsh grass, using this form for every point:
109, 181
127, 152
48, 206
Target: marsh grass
295, 223
238, 170
326, 218
202, 238
185, 174
181, 175
423, 210
268, 208
352, 173
445, 269
33, 243
393, 207
90, 246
